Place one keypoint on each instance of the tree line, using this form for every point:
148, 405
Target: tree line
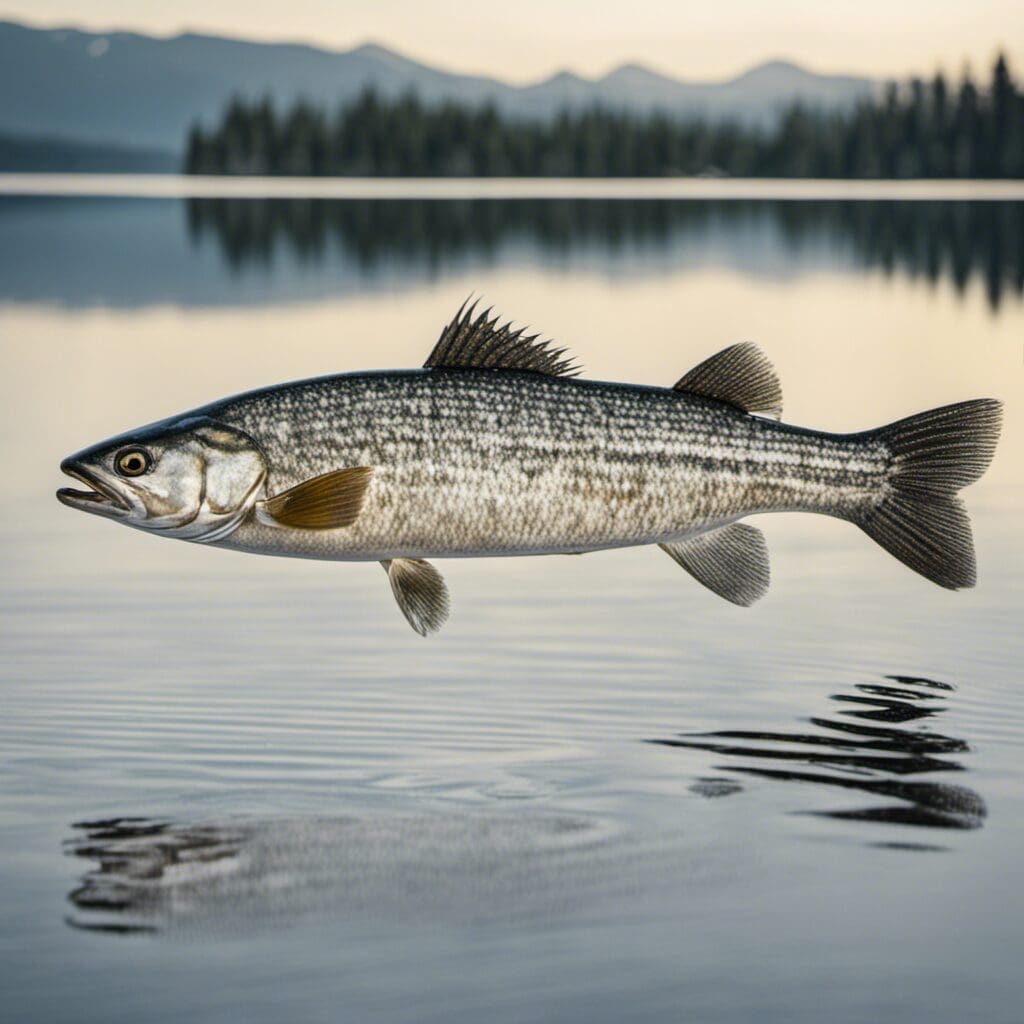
917, 130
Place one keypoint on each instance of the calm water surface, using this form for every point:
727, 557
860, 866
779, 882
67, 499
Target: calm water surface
235, 788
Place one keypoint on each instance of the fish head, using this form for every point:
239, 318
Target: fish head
191, 478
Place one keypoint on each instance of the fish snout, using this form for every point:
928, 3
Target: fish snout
101, 497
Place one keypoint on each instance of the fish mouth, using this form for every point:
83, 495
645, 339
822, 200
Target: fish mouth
101, 498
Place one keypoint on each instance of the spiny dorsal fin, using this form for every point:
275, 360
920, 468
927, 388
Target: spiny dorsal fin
731, 561
477, 341
739, 375
420, 592
323, 503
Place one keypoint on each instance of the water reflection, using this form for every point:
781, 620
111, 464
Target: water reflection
929, 240
850, 752
114, 252
135, 857
151, 874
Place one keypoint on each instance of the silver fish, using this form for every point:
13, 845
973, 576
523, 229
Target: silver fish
496, 447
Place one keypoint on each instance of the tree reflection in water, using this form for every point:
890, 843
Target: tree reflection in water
929, 240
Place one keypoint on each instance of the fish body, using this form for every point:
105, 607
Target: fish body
471, 463
495, 448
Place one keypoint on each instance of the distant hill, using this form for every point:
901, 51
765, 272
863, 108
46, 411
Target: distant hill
141, 91
24, 153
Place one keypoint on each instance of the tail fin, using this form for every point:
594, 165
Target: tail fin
921, 521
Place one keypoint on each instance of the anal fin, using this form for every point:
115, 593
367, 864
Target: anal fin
420, 592
731, 561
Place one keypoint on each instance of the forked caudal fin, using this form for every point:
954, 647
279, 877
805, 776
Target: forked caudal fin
920, 520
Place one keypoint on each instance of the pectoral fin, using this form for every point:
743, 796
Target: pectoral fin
420, 592
731, 561
325, 502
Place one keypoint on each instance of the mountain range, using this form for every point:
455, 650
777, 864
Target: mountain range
124, 88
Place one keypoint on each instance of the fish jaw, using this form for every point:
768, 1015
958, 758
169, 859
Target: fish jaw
103, 498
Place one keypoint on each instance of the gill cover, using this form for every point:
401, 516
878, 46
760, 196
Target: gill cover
202, 478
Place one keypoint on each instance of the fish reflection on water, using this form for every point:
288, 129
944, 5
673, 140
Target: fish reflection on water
864, 750
153, 874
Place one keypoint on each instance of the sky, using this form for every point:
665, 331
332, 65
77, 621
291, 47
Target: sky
530, 39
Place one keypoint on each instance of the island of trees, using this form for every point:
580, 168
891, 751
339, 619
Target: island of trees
918, 130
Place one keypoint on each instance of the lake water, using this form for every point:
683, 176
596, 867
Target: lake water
235, 788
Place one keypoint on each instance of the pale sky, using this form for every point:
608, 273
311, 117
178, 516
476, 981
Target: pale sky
526, 40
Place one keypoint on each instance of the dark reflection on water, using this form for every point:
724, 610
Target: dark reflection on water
931, 240
134, 856
151, 874
212, 252
850, 752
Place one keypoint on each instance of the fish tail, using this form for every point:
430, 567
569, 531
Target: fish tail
919, 518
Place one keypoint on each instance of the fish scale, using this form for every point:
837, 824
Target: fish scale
486, 462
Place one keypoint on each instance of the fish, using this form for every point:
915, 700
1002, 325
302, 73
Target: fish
498, 447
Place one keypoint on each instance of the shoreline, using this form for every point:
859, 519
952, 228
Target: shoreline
181, 186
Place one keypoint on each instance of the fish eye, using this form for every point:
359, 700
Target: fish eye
133, 461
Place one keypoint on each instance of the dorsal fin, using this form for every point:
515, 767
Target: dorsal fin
740, 375
477, 341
